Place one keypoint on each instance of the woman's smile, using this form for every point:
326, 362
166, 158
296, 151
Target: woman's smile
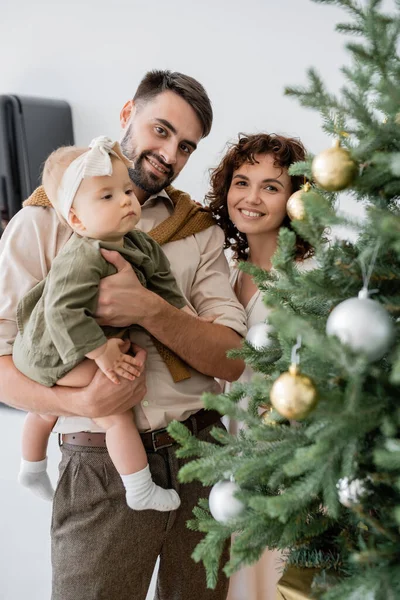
251, 214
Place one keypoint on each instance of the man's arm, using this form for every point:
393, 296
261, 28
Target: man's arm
27, 248
100, 399
202, 345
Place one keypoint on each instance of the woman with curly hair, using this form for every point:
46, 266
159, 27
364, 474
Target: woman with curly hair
248, 196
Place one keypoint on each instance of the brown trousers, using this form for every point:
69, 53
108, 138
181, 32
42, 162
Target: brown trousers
103, 550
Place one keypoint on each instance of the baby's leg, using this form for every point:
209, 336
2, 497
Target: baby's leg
33, 470
81, 375
129, 457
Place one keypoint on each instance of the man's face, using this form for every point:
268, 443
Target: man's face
159, 137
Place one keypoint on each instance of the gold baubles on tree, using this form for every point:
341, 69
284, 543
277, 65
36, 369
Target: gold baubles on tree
266, 418
334, 169
293, 394
295, 204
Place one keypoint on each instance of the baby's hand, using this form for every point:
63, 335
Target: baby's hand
113, 361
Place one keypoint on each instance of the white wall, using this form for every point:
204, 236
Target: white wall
93, 53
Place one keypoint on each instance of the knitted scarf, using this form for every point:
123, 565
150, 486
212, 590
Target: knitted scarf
187, 219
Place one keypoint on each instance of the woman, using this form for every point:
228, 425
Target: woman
248, 196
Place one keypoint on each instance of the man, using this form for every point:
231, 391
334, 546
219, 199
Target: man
100, 548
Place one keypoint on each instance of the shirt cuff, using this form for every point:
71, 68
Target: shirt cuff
231, 317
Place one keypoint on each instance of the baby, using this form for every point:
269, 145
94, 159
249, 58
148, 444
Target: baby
59, 341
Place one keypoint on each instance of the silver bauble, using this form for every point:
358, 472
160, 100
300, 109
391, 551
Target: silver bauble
223, 504
351, 492
258, 335
363, 324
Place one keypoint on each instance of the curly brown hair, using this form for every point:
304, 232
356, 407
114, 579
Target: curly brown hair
285, 151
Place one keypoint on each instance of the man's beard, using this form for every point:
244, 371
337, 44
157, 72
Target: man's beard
148, 182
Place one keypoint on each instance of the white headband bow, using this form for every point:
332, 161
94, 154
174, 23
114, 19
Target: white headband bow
96, 162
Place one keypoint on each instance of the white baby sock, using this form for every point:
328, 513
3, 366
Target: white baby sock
33, 475
143, 494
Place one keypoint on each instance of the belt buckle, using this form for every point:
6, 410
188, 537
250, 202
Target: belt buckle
154, 441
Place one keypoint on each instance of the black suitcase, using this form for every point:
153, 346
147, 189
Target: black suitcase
30, 129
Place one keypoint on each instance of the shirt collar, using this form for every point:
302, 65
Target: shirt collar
153, 199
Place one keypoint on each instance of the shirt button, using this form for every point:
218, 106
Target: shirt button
145, 402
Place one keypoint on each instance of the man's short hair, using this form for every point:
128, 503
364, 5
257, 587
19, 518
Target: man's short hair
156, 82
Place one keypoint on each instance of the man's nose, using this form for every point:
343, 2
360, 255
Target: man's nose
169, 151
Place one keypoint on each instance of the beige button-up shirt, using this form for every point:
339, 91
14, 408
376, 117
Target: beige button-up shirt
34, 237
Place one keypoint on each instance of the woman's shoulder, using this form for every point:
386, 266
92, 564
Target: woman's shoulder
233, 270
307, 265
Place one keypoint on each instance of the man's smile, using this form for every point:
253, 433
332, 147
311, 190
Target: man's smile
156, 165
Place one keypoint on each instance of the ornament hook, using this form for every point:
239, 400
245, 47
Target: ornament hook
367, 273
295, 358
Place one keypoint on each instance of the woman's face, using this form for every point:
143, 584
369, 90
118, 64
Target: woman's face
258, 195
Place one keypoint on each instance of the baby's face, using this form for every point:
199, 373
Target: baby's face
106, 206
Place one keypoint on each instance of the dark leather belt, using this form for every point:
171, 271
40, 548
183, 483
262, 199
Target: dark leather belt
152, 440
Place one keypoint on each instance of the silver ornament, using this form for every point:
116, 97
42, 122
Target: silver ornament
258, 335
363, 324
223, 504
351, 492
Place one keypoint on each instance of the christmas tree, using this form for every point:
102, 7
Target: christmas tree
318, 472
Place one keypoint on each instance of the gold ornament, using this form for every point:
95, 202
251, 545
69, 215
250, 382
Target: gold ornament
267, 419
295, 204
294, 395
334, 169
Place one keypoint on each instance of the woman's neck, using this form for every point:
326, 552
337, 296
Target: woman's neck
262, 248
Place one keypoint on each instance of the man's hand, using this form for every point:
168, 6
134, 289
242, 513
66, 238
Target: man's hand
102, 398
122, 298
99, 399
199, 342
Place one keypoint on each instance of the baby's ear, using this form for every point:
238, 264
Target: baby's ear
75, 221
